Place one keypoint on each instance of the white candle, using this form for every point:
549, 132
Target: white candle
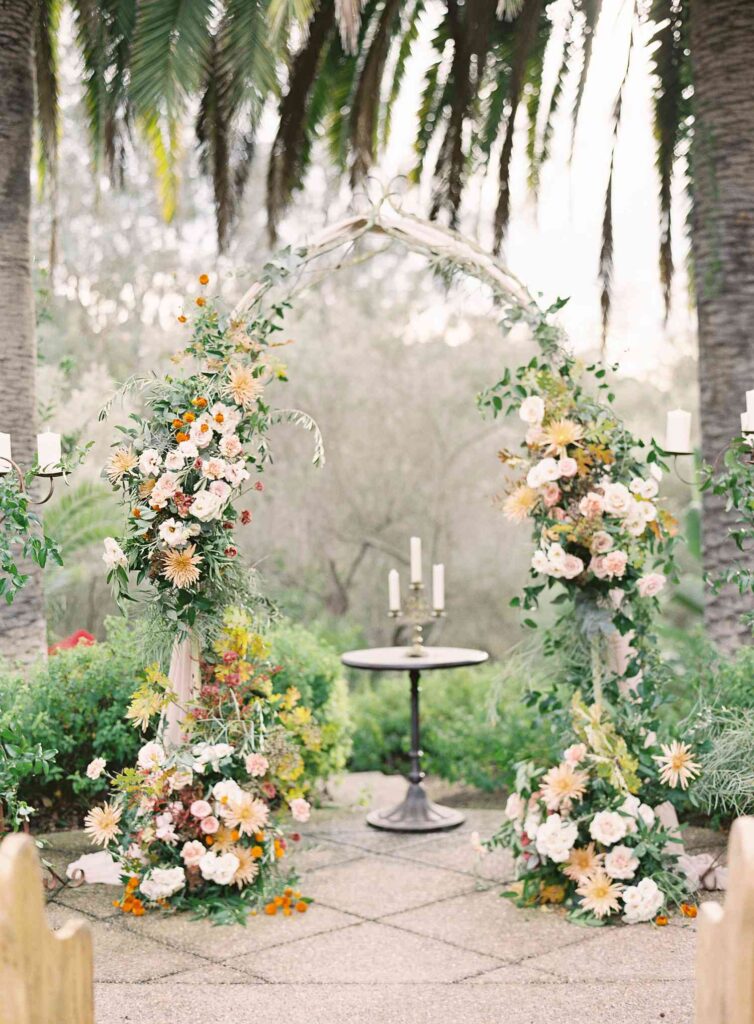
48, 452
5, 454
747, 422
394, 590
438, 587
678, 432
416, 560
750, 403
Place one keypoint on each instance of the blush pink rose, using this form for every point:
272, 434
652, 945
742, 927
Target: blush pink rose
615, 563
649, 586
591, 505
200, 809
568, 467
192, 853
210, 824
300, 809
257, 765
575, 754
550, 495
597, 566
601, 542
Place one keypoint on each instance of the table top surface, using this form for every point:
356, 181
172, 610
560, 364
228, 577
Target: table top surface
398, 659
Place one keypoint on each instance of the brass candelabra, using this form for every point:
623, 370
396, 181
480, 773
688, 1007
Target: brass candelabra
418, 613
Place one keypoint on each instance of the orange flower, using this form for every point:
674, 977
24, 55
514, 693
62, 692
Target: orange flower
279, 851
689, 909
181, 436
259, 836
257, 852
288, 891
661, 920
188, 417
271, 909
199, 402
302, 907
209, 840
204, 279
177, 424
201, 302
182, 319
136, 513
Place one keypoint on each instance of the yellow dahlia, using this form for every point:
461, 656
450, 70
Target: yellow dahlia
519, 503
101, 823
676, 765
243, 387
562, 785
582, 861
246, 813
181, 567
121, 462
600, 894
560, 433
247, 869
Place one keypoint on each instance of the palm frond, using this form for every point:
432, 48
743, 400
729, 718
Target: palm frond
84, 515
164, 151
527, 25
409, 35
46, 27
668, 66
348, 17
287, 154
366, 102
590, 10
303, 419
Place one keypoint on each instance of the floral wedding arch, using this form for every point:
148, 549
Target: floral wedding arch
585, 832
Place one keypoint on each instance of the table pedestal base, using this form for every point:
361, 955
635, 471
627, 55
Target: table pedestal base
416, 813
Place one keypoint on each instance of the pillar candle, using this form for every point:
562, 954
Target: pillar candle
48, 451
747, 422
678, 432
438, 587
416, 560
5, 452
394, 590
750, 403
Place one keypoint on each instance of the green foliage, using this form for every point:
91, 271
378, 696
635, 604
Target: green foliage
311, 665
21, 534
76, 705
20, 759
475, 725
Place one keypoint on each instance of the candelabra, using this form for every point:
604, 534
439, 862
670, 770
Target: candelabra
48, 460
417, 612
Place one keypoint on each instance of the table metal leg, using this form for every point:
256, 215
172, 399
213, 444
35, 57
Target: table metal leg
416, 812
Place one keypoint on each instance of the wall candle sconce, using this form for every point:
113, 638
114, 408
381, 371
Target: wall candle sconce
49, 456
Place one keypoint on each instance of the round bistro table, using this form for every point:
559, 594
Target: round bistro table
416, 812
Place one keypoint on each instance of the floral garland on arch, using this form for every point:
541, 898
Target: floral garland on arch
196, 823
194, 827
594, 831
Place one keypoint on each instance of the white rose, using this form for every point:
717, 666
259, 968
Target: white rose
226, 791
608, 827
213, 469
188, 450
151, 756
174, 533
621, 862
174, 460
642, 902
114, 554
532, 410
149, 462
644, 488
192, 852
201, 431
162, 883
220, 489
550, 470
555, 838
219, 869
647, 815
539, 562
207, 506
532, 823
617, 499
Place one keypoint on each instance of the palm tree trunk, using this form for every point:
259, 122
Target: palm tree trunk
722, 35
22, 624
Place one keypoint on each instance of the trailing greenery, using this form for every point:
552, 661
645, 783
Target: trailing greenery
475, 724
19, 760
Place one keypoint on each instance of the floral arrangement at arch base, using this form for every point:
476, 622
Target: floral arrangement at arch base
197, 827
595, 830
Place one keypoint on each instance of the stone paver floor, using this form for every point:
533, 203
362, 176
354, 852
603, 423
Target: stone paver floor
403, 930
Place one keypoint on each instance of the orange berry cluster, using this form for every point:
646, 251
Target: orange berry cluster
689, 909
288, 902
131, 904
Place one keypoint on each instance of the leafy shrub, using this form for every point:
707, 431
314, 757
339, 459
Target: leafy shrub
19, 759
313, 667
76, 704
475, 726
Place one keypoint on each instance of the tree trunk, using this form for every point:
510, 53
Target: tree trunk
22, 624
722, 36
